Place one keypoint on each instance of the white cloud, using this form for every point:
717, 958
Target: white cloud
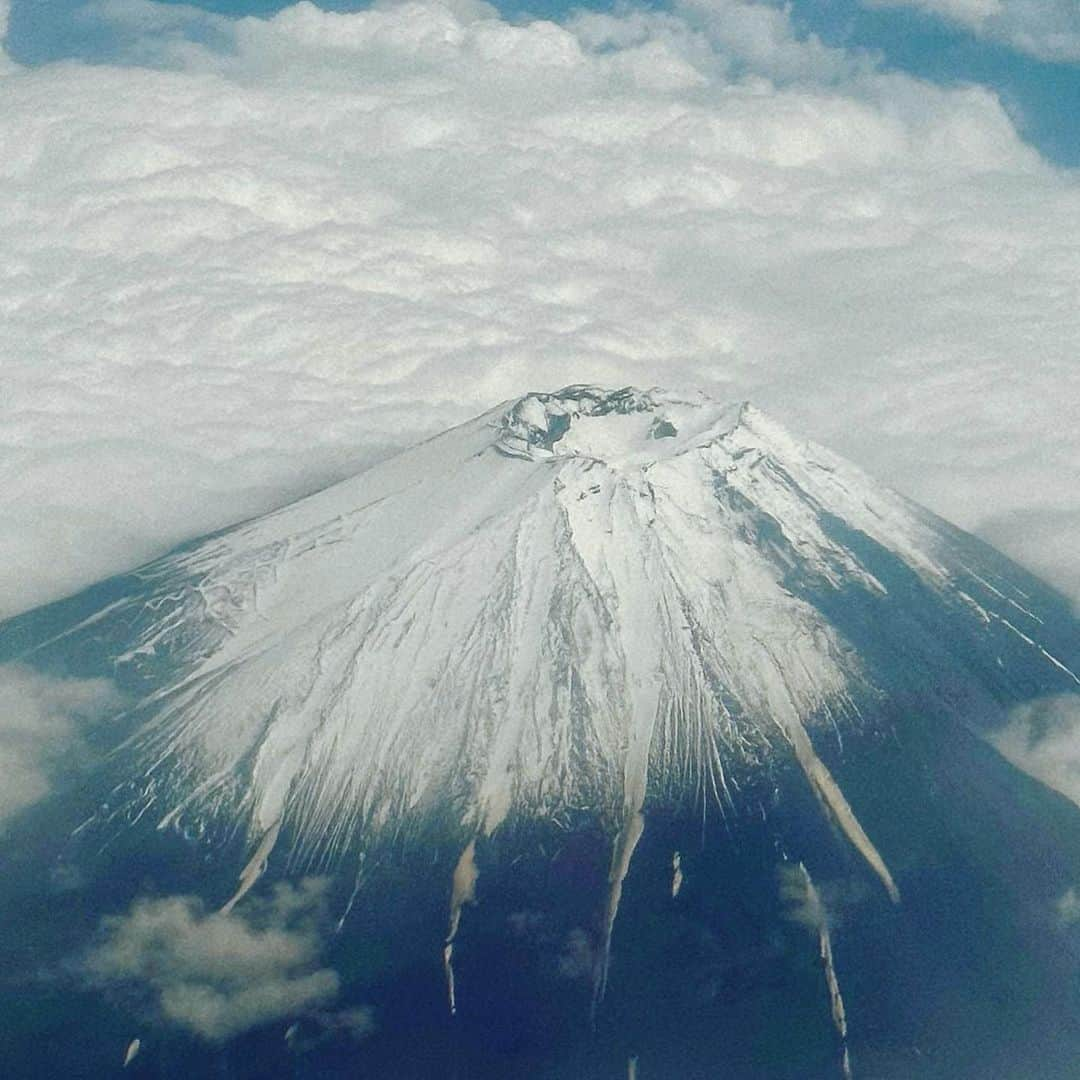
219, 974
296, 242
1043, 739
39, 730
5, 13
1046, 29
1068, 907
355, 1024
802, 902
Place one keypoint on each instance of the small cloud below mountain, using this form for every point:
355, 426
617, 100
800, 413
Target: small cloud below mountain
217, 974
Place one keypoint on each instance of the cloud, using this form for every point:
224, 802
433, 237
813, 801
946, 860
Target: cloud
1068, 907
355, 1025
261, 252
220, 974
1043, 739
1046, 29
802, 902
39, 730
5, 15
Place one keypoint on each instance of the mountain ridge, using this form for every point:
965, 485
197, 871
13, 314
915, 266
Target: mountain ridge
638, 616
717, 532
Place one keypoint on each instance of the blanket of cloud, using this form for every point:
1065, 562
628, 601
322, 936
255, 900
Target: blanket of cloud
257, 253
217, 974
1046, 29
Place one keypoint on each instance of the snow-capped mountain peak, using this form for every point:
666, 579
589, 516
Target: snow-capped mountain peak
625, 426
591, 602
583, 598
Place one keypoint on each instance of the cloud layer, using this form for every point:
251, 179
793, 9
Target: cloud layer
264, 251
218, 974
1046, 29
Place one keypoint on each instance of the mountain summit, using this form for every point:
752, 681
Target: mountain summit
647, 618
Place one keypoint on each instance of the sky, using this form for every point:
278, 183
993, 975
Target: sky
1026, 51
250, 248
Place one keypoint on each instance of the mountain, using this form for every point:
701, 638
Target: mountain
625, 732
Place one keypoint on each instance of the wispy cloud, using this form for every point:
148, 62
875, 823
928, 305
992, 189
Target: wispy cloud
1043, 739
1046, 29
218, 974
1067, 907
268, 249
39, 730
5, 16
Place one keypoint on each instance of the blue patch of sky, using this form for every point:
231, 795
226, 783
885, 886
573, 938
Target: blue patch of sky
1043, 98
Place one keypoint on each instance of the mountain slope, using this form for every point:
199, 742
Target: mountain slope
525, 611
628, 605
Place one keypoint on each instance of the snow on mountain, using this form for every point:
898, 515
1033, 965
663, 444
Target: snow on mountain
585, 598
640, 610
